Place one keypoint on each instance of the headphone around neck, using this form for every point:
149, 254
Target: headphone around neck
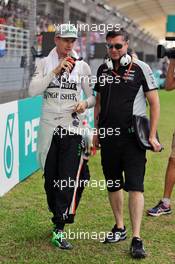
125, 60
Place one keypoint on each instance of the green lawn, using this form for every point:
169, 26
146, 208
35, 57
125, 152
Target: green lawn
25, 221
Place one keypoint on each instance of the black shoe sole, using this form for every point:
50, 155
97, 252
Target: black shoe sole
156, 215
57, 244
114, 241
137, 256
63, 248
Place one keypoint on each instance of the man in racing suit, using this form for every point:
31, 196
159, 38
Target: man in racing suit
60, 77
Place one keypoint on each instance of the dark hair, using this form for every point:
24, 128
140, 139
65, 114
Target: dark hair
114, 33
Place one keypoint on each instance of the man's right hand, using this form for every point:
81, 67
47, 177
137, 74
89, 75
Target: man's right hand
66, 64
96, 143
172, 62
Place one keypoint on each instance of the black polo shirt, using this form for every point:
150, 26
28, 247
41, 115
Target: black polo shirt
123, 98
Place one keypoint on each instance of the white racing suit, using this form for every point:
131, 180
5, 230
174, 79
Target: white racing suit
62, 153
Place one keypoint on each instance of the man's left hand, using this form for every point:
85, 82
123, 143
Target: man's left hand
155, 144
81, 107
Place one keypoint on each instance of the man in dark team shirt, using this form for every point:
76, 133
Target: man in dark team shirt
116, 103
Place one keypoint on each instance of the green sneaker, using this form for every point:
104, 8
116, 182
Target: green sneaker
59, 240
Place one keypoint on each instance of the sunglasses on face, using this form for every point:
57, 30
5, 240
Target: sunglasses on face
116, 46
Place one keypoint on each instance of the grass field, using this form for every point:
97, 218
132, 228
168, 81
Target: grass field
25, 221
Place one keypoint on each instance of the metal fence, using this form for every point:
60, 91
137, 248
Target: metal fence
15, 64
